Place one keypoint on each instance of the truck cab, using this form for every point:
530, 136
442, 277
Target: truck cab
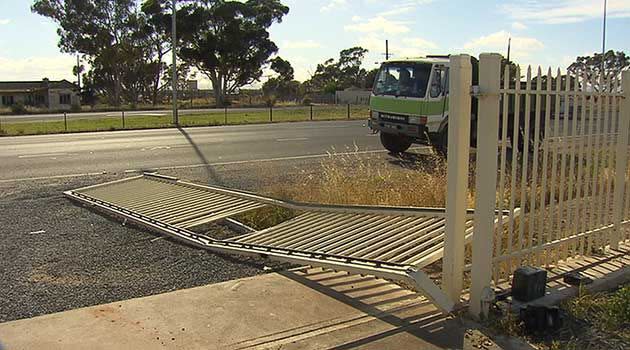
409, 102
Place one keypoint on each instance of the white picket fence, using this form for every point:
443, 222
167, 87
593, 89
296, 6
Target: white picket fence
565, 167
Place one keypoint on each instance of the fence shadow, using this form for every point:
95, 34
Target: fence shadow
211, 174
408, 313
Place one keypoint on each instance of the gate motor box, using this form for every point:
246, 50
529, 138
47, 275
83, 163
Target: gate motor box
529, 283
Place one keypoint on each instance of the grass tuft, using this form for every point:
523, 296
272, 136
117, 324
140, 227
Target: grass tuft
608, 312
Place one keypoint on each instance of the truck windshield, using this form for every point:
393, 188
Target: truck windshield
402, 79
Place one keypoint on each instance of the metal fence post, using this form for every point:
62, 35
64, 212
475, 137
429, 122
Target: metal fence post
457, 178
348, 111
122, 116
311, 112
65, 122
271, 114
486, 180
621, 162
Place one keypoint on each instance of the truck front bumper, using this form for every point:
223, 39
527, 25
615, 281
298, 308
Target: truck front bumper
418, 133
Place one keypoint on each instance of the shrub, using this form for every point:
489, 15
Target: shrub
18, 108
307, 101
270, 101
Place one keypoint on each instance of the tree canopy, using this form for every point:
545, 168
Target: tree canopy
283, 86
591, 66
125, 43
227, 41
346, 72
114, 37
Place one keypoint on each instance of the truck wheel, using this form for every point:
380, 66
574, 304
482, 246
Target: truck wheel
441, 143
395, 143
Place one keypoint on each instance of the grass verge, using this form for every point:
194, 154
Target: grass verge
154, 121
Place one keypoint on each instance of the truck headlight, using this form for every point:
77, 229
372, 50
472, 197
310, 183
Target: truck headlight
418, 120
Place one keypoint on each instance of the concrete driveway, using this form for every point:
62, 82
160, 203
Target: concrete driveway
310, 309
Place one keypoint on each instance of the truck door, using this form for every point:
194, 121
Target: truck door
436, 106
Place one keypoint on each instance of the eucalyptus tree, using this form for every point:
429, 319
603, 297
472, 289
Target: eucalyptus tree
227, 41
115, 38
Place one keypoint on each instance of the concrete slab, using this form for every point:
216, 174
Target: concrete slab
311, 309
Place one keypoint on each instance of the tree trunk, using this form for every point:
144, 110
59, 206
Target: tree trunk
217, 88
218, 95
117, 88
156, 79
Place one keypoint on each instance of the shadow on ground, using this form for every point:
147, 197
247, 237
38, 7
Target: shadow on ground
211, 174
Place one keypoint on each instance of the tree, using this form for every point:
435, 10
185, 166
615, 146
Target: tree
184, 74
325, 77
591, 67
283, 68
158, 31
283, 86
88, 90
77, 70
332, 75
113, 36
350, 67
227, 41
370, 77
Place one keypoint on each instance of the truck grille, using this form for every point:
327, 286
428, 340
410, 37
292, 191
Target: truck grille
392, 118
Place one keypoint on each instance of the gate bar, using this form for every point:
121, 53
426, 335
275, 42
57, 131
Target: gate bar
486, 179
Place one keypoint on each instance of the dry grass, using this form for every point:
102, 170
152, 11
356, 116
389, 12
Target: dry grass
265, 217
367, 180
357, 179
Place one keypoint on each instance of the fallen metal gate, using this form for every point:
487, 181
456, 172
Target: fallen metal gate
388, 242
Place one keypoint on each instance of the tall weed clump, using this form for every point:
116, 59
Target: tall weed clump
357, 179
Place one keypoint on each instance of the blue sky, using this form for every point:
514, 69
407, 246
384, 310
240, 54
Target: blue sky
544, 32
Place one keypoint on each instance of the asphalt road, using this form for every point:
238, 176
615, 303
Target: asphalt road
96, 115
69, 155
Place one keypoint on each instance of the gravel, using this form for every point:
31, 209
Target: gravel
56, 255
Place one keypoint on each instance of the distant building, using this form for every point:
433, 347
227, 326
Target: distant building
192, 85
353, 95
54, 95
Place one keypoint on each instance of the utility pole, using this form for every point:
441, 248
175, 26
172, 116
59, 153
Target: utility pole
604, 39
174, 46
509, 46
386, 54
78, 73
